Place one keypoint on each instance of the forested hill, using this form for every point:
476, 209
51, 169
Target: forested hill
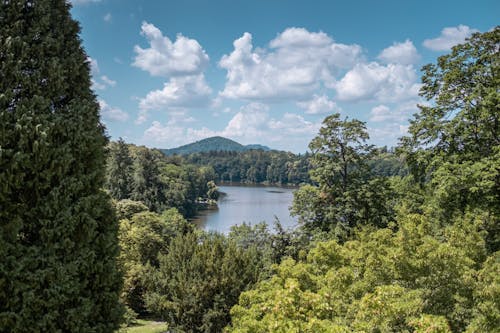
215, 143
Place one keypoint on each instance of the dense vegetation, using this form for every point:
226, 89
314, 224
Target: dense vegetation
387, 242
279, 167
58, 231
255, 166
215, 143
429, 264
159, 182
382, 246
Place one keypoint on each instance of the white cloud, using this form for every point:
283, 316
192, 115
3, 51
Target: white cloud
83, 2
400, 53
318, 105
107, 17
94, 66
295, 65
251, 124
112, 113
94, 72
108, 81
397, 113
188, 91
388, 134
372, 81
163, 58
449, 37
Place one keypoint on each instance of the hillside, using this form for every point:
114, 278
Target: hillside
215, 143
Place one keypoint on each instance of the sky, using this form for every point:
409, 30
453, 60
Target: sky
167, 73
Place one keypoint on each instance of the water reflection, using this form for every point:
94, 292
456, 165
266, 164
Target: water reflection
250, 204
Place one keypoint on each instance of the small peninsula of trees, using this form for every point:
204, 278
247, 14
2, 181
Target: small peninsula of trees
160, 182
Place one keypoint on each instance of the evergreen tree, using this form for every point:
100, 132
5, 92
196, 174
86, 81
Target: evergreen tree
58, 232
147, 185
119, 175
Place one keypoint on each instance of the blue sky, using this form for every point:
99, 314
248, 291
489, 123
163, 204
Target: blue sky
167, 73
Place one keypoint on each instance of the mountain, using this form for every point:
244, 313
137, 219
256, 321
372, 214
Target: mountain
216, 143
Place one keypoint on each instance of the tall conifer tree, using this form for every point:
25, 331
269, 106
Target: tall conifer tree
119, 175
58, 232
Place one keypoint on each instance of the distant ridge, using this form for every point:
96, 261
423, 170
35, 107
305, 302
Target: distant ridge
216, 143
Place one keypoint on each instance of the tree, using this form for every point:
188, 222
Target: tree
119, 171
143, 236
453, 146
198, 280
418, 278
148, 186
463, 116
58, 232
346, 194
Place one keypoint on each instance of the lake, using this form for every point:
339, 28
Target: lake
250, 204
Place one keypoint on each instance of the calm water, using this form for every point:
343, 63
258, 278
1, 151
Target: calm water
250, 204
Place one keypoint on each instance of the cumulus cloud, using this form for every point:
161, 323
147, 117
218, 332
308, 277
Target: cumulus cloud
165, 58
295, 65
251, 124
400, 53
108, 81
112, 113
388, 134
187, 91
373, 81
178, 92
396, 113
83, 2
318, 105
449, 37
104, 81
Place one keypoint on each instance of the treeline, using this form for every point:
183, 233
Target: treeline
415, 252
159, 182
374, 252
279, 167
255, 166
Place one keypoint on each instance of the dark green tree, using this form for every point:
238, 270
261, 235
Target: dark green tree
58, 231
119, 171
198, 280
147, 184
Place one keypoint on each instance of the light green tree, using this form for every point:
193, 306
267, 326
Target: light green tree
346, 194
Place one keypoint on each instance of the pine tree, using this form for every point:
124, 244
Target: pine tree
119, 175
58, 232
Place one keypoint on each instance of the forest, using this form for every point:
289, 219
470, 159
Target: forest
95, 234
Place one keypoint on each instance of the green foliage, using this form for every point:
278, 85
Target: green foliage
143, 236
486, 313
412, 279
198, 280
147, 186
347, 194
255, 166
147, 176
453, 147
119, 171
58, 232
